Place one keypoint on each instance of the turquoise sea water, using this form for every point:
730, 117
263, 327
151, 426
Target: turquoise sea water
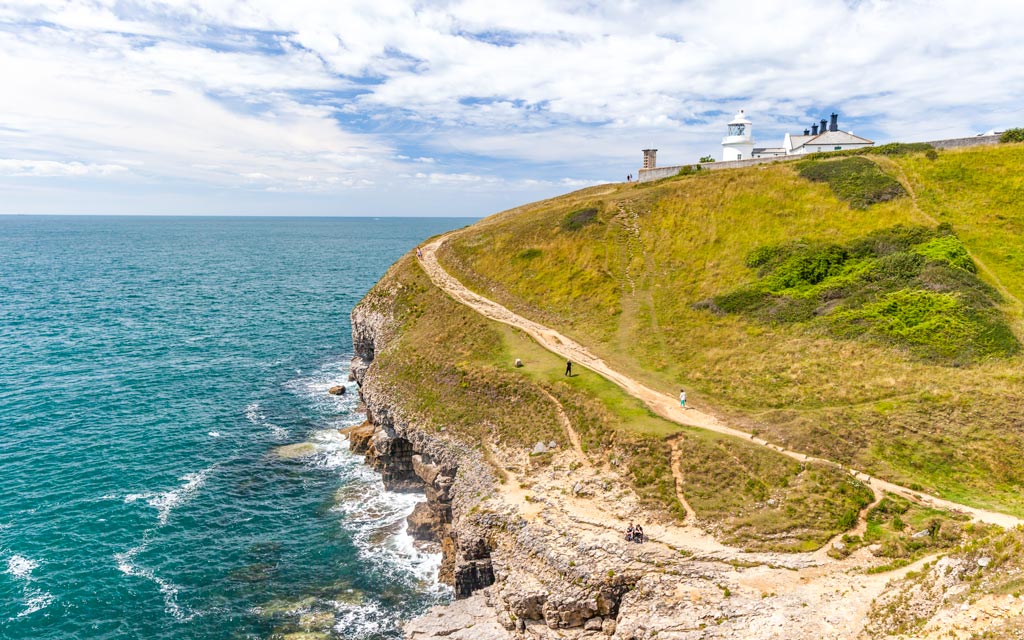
149, 368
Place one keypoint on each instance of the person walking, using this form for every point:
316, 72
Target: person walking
568, 368
682, 398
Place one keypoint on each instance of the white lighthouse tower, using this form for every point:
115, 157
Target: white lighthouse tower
738, 144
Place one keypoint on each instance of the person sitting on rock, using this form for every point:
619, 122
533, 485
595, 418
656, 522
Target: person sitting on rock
630, 532
638, 534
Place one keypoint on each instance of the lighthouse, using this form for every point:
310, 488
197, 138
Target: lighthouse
738, 144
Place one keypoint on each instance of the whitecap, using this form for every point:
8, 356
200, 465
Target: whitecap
367, 619
36, 601
255, 415
21, 567
214, 434
166, 501
168, 590
315, 386
377, 519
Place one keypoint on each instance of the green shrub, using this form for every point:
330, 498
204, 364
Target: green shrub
900, 148
707, 159
856, 180
689, 170
911, 286
580, 218
529, 254
931, 154
743, 300
949, 250
1012, 135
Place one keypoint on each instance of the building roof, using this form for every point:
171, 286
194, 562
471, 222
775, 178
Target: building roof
829, 137
740, 118
769, 149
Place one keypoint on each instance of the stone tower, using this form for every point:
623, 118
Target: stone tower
650, 158
738, 144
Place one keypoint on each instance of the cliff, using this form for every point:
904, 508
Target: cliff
531, 477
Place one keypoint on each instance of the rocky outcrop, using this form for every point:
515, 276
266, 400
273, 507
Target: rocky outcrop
469, 619
411, 457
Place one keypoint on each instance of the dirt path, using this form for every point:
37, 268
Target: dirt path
574, 438
677, 474
665, 406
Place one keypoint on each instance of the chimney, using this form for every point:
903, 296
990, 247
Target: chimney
650, 158
814, 129
824, 125
807, 132
834, 124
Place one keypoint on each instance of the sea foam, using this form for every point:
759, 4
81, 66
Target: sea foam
166, 501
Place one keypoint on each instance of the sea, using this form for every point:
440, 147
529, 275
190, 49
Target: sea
151, 369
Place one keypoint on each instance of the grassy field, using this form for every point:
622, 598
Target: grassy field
625, 268
455, 372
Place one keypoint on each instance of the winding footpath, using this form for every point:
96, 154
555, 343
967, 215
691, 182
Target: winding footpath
665, 406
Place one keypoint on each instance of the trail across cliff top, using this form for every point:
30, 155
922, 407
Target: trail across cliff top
663, 405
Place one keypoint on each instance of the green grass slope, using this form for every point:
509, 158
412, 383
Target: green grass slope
453, 372
864, 308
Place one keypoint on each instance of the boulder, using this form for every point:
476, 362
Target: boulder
539, 448
359, 437
422, 522
337, 390
519, 362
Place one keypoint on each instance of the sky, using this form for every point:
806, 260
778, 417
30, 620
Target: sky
463, 108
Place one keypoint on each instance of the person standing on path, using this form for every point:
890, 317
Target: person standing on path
682, 398
568, 368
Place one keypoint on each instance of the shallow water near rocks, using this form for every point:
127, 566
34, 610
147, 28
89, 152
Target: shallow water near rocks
151, 369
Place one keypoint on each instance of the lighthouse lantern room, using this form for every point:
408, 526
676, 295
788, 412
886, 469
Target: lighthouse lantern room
738, 144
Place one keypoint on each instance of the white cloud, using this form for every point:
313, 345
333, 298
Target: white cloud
340, 96
51, 168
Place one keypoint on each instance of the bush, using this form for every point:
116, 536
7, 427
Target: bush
529, 254
689, 170
912, 286
931, 154
1012, 135
856, 180
579, 219
948, 250
706, 159
900, 148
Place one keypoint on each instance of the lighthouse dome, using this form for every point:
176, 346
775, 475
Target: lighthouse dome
738, 144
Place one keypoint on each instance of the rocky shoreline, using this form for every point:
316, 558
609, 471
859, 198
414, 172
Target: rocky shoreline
538, 552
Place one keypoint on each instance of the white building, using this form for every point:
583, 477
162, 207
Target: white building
824, 136
738, 144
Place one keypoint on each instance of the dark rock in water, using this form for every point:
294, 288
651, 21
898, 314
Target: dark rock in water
338, 390
423, 523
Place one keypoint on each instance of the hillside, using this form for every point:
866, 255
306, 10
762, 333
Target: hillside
854, 309
862, 309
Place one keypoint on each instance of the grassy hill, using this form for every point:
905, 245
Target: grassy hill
864, 308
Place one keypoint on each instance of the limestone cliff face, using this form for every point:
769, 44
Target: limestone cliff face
452, 475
